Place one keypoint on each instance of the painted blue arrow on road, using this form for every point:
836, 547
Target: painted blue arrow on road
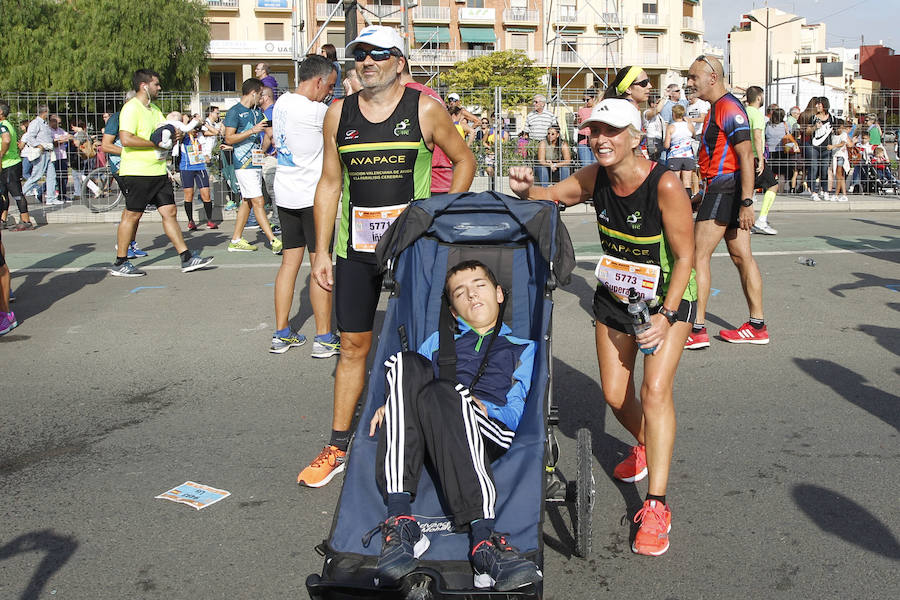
146, 287
714, 292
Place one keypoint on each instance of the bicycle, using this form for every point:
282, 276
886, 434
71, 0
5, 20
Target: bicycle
102, 191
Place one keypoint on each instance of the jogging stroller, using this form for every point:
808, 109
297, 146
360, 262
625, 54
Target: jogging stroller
528, 248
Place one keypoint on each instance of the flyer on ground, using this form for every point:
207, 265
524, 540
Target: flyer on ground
194, 494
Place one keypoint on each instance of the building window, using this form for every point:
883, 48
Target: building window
821, 59
475, 3
274, 31
650, 49
219, 31
569, 43
688, 9
649, 7
568, 9
804, 61
222, 81
518, 41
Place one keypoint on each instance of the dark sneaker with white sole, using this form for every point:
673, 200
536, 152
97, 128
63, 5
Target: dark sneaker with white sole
402, 543
500, 566
126, 269
195, 262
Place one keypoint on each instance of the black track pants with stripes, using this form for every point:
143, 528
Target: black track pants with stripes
424, 415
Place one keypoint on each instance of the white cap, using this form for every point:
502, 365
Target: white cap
453, 96
615, 112
378, 36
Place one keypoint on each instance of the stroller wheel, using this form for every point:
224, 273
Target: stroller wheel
584, 496
417, 587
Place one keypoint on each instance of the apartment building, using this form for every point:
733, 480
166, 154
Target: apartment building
578, 42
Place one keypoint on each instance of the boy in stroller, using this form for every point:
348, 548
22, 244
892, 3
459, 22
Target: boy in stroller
885, 177
462, 426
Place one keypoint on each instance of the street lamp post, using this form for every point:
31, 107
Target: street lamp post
767, 27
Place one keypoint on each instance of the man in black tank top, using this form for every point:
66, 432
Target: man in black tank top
378, 146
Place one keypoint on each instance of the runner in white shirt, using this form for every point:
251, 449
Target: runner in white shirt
297, 131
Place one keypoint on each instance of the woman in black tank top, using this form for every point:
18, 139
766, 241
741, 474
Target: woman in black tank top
644, 217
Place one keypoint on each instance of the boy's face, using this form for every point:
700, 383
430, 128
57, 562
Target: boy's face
474, 298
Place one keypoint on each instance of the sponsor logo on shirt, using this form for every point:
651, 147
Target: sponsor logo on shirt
739, 119
402, 128
634, 219
351, 134
604, 216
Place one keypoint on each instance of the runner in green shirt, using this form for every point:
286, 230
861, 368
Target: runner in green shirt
142, 173
11, 175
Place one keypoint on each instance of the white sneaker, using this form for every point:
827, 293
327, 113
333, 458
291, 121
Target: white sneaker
815, 197
825, 196
54, 202
764, 228
843, 199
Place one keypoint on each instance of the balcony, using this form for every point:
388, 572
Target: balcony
521, 16
650, 59
612, 18
222, 4
383, 12
323, 10
484, 16
652, 20
693, 24
430, 14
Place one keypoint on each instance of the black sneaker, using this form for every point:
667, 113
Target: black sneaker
402, 543
499, 565
195, 262
126, 269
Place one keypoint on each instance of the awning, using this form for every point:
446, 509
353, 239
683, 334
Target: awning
434, 35
478, 35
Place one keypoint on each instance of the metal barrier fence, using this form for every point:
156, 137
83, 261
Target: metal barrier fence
504, 110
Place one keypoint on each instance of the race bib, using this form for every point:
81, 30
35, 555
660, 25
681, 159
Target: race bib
369, 225
258, 157
619, 276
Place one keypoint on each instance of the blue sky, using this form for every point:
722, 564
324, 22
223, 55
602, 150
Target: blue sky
845, 20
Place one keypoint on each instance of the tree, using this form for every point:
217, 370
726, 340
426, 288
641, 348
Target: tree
95, 45
512, 70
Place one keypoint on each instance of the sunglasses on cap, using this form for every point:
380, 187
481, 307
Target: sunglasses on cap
377, 54
702, 58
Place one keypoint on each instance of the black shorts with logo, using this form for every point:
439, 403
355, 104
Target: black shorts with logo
612, 313
143, 190
722, 200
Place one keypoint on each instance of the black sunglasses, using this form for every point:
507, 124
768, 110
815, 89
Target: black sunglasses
642, 83
377, 54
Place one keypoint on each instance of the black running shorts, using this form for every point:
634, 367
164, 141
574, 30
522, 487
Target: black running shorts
298, 228
612, 313
357, 287
766, 179
192, 179
143, 190
722, 202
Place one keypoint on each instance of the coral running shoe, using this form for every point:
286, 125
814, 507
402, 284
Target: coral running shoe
634, 467
697, 340
652, 538
323, 468
745, 334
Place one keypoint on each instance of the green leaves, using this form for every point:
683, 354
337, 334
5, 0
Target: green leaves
510, 69
96, 45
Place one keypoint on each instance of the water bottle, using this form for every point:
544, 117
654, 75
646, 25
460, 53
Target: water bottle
809, 262
640, 316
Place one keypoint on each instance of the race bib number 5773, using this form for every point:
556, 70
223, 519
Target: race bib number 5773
619, 276
369, 225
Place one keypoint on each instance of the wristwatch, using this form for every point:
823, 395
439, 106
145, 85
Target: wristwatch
670, 315
747, 202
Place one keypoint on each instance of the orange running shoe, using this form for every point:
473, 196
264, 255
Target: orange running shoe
323, 468
634, 467
652, 538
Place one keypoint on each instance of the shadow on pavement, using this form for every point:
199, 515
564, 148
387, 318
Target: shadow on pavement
840, 516
57, 550
854, 388
871, 222
885, 243
35, 295
863, 280
887, 337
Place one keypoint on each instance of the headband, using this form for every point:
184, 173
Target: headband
628, 79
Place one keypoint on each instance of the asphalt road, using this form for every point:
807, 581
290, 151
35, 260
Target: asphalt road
784, 485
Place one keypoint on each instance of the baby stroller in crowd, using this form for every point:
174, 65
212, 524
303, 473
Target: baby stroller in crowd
885, 182
528, 248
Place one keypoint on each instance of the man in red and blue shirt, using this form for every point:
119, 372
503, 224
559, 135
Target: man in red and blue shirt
726, 209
